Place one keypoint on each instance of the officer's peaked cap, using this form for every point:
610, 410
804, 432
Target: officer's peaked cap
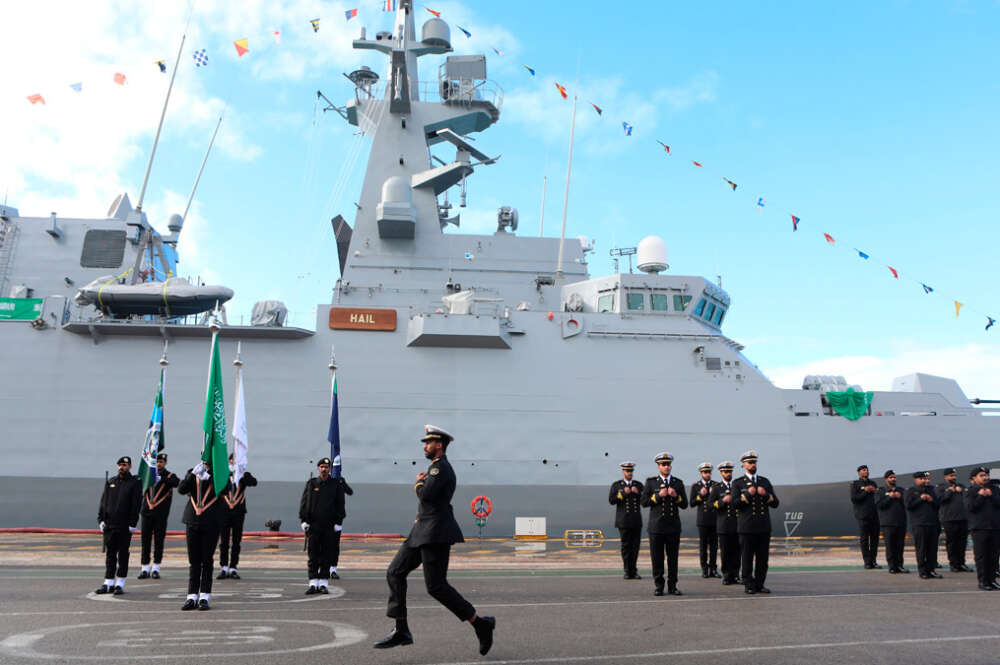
627, 465
922, 474
664, 457
726, 466
705, 466
749, 456
435, 433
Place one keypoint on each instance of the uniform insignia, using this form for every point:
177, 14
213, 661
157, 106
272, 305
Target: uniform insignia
435, 471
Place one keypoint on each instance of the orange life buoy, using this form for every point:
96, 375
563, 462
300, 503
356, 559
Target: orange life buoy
482, 506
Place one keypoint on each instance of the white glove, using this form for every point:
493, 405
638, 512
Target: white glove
101, 527
132, 529
338, 527
199, 469
305, 526
204, 475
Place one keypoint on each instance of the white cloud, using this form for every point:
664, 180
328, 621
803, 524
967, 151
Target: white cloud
976, 367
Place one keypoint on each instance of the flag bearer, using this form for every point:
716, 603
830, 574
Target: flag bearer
117, 516
155, 511
318, 513
203, 516
340, 512
234, 514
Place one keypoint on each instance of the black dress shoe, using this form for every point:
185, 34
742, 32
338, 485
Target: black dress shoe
749, 591
323, 590
189, 604
675, 592
233, 575
726, 581
396, 638
893, 571
763, 589
636, 576
334, 576
965, 569
876, 566
924, 576
869, 566
987, 587
155, 575
955, 569
118, 591
143, 575
903, 571
933, 575
704, 574
658, 592
714, 573
995, 586
311, 590
738, 580
203, 605
222, 575
484, 632
627, 577
104, 588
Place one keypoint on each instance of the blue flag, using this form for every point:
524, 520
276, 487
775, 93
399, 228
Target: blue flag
333, 436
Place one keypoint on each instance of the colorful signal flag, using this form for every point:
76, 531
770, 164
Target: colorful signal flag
562, 90
36, 99
350, 13
893, 271
119, 78
436, 14
315, 24
162, 65
468, 34
665, 146
530, 70
597, 108
200, 58
242, 47
795, 222
730, 183
829, 238
627, 128
78, 86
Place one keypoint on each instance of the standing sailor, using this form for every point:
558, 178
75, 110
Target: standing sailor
863, 499
343, 491
318, 513
892, 520
953, 521
429, 543
708, 540
625, 496
234, 514
982, 502
155, 511
665, 497
203, 517
727, 524
757, 499
117, 515
922, 506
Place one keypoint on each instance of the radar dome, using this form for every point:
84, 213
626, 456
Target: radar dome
396, 190
652, 254
175, 223
436, 33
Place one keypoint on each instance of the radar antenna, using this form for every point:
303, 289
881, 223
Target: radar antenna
623, 251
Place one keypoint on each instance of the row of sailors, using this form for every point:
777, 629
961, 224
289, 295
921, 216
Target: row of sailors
927, 510
733, 515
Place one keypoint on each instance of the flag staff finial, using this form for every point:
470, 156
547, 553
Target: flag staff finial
239, 348
333, 359
163, 359
213, 325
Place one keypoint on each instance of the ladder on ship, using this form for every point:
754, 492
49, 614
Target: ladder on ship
8, 236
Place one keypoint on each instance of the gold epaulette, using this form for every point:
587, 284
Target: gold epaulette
743, 498
417, 486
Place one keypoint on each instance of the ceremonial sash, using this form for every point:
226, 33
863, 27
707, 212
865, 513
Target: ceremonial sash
200, 505
153, 500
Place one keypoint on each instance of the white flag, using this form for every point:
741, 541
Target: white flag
240, 442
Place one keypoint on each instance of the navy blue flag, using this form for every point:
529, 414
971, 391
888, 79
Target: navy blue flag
333, 436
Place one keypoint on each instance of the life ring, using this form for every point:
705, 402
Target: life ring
482, 506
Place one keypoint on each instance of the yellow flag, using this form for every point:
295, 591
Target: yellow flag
241, 46
958, 306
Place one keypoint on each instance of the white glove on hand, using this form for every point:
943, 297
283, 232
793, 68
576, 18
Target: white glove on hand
132, 529
101, 527
305, 526
199, 469
338, 527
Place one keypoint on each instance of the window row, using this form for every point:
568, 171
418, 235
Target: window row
710, 311
658, 302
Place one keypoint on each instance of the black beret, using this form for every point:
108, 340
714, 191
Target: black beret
863, 466
888, 473
124, 460
950, 470
325, 460
922, 474
977, 470
162, 456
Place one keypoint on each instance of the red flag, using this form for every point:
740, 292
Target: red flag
829, 238
698, 164
562, 90
36, 99
437, 14
665, 146
120, 78
893, 271
597, 108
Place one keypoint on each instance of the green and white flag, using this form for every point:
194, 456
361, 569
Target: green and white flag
155, 441
214, 424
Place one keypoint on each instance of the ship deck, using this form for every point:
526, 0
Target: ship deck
557, 605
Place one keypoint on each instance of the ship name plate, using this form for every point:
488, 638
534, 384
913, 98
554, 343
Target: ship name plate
362, 318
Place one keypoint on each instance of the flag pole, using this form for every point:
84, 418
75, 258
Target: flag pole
238, 364
163, 114
569, 167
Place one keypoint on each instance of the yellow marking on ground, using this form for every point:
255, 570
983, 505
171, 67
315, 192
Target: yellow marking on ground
482, 552
353, 551
838, 549
822, 537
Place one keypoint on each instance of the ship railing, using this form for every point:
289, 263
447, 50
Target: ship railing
293, 319
489, 307
469, 93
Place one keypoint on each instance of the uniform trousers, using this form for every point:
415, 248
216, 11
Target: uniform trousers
232, 531
985, 545
434, 558
116, 543
956, 537
893, 538
729, 545
660, 544
925, 547
708, 546
868, 538
754, 553
321, 543
201, 541
335, 550
631, 541
154, 531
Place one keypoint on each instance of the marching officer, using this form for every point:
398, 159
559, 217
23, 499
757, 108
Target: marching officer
982, 501
863, 499
625, 495
234, 515
343, 491
708, 540
203, 517
922, 505
952, 515
429, 543
892, 519
727, 524
117, 515
318, 511
155, 510
757, 499
665, 497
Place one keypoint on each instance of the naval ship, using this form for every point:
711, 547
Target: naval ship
548, 376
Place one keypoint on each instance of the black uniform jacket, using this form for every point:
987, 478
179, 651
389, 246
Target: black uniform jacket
322, 503
754, 510
706, 511
628, 506
157, 499
235, 496
863, 502
726, 515
891, 511
664, 511
435, 523
922, 513
203, 510
119, 507
983, 511
952, 504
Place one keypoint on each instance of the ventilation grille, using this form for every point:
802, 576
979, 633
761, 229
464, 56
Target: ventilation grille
103, 249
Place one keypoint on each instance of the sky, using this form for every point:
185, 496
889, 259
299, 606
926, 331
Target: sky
874, 122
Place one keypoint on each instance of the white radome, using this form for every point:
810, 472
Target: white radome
652, 255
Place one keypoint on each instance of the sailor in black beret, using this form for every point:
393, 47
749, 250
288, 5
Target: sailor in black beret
922, 508
892, 520
888, 473
863, 466
953, 520
156, 502
863, 501
117, 515
161, 456
982, 501
318, 512
625, 495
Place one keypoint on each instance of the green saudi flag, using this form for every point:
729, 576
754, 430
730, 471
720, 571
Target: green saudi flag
154, 440
214, 424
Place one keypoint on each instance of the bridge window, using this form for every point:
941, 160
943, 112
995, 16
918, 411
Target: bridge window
700, 308
718, 316
710, 311
606, 303
681, 303
658, 302
636, 300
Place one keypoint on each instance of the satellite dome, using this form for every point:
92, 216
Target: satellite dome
652, 255
396, 190
436, 33
175, 223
